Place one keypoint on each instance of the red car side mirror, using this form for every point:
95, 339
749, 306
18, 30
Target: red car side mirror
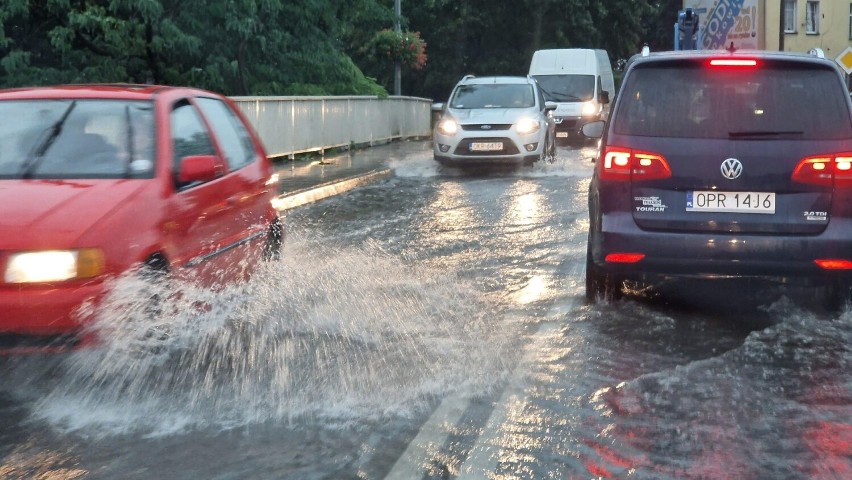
198, 168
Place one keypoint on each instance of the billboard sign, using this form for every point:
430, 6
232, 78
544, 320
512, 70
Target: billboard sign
726, 21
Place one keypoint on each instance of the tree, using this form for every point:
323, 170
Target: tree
322, 47
232, 46
490, 38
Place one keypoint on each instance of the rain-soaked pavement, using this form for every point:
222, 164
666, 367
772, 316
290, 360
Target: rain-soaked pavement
432, 325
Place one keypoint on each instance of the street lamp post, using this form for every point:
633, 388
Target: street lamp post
397, 67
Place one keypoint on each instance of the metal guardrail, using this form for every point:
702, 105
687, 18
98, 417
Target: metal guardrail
291, 125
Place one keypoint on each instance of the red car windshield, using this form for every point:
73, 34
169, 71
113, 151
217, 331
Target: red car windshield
58, 139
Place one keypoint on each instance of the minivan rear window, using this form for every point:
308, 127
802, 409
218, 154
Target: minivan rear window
772, 100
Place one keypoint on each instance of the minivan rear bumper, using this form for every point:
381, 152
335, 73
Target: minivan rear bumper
788, 258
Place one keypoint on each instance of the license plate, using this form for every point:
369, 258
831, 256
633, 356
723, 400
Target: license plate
486, 146
561, 134
730, 202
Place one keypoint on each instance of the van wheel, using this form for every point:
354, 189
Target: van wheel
600, 286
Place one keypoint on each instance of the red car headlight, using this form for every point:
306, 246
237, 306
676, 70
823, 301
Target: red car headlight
54, 265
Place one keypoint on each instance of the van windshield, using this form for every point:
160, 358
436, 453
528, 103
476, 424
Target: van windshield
775, 101
567, 88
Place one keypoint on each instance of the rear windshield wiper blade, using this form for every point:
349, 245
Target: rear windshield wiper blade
764, 133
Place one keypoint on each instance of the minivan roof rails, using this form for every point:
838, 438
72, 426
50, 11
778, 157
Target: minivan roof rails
646, 50
468, 77
817, 52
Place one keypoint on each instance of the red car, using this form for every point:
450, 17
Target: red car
96, 180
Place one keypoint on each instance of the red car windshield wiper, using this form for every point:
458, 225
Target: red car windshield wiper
36, 154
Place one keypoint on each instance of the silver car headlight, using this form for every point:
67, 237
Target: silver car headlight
448, 126
526, 126
54, 265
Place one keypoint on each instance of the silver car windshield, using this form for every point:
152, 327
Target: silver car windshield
511, 95
58, 139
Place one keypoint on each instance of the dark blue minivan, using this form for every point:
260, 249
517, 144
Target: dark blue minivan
720, 165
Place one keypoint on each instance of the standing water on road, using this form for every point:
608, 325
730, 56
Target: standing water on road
434, 326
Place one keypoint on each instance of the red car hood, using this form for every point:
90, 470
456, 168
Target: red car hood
37, 214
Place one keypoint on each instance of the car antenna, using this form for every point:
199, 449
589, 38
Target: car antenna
731, 48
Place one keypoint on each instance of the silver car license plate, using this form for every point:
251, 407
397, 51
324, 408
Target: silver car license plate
486, 146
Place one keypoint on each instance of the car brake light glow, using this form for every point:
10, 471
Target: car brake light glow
733, 62
834, 263
831, 169
623, 164
623, 257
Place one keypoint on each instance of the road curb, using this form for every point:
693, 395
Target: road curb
298, 198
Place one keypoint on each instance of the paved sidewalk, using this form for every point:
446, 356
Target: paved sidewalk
305, 181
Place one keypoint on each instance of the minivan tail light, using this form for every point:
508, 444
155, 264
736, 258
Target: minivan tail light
834, 263
624, 164
830, 169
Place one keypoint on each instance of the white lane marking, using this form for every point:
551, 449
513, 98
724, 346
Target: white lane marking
483, 458
431, 437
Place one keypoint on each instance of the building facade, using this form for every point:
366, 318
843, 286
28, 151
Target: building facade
788, 25
806, 24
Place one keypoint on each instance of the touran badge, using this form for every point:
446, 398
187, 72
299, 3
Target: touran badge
731, 168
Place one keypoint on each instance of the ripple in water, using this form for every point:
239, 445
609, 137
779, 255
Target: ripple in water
337, 334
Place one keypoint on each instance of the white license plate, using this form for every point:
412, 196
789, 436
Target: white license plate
486, 146
730, 202
561, 134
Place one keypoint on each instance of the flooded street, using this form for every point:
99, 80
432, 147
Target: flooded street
434, 326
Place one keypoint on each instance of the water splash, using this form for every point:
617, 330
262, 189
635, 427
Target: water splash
340, 334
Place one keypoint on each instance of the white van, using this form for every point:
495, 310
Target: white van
580, 81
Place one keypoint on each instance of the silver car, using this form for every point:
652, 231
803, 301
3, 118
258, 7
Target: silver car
494, 120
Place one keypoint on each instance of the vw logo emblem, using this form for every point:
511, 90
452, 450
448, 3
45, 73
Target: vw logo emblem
485, 127
731, 168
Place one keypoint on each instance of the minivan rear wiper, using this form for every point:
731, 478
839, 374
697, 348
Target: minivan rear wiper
763, 133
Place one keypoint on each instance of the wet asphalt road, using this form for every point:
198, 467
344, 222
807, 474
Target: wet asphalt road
433, 326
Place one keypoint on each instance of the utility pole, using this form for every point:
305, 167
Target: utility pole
397, 68
781, 26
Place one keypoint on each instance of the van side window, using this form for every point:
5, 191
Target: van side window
189, 135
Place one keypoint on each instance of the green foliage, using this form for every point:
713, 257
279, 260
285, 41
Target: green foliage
309, 47
482, 37
237, 47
